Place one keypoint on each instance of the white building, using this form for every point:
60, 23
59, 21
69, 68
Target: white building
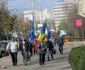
81, 8
40, 15
61, 10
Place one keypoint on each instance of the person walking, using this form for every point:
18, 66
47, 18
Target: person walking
24, 47
35, 46
60, 42
31, 48
55, 41
41, 51
13, 47
50, 47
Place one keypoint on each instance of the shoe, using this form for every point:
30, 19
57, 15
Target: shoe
25, 64
52, 58
61, 52
40, 64
15, 65
49, 60
43, 63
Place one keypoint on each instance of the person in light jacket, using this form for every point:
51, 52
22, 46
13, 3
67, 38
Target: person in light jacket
13, 47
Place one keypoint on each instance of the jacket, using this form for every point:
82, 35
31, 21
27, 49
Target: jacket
40, 47
24, 45
60, 41
49, 45
13, 47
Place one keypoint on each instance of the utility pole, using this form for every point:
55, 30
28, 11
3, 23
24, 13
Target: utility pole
41, 21
1, 3
33, 13
41, 14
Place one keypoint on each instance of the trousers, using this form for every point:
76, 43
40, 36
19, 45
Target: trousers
25, 57
41, 58
14, 58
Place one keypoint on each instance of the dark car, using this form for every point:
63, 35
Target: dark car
3, 46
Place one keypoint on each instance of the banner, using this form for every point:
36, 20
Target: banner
63, 32
78, 22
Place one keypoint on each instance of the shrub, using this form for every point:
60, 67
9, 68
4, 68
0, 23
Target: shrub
77, 58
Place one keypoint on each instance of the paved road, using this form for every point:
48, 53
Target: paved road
60, 62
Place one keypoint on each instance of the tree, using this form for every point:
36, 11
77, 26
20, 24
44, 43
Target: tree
11, 22
69, 23
22, 26
7, 20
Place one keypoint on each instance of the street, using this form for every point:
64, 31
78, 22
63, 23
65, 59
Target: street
60, 62
27, 24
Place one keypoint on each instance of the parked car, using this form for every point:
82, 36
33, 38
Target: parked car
3, 46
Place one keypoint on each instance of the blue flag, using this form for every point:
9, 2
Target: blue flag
43, 29
49, 33
31, 34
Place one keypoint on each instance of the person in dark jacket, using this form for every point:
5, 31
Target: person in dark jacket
41, 51
24, 47
50, 47
60, 42
55, 41
31, 48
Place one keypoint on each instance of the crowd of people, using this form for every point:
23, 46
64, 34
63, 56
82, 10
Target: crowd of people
42, 47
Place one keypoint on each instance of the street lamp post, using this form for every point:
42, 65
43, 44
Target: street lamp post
41, 9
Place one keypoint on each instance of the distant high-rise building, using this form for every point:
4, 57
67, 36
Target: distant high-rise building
81, 8
61, 10
40, 15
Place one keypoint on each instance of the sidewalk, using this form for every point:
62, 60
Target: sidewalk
60, 62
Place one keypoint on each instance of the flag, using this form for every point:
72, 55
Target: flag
42, 35
32, 26
49, 33
43, 29
31, 34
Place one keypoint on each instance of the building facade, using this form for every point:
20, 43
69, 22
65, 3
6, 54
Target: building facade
81, 8
40, 15
61, 10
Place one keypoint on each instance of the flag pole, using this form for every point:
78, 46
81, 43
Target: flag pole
33, 13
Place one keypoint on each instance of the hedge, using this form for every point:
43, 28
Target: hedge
77, 58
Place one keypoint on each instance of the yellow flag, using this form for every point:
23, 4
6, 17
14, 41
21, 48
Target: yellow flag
41, 36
